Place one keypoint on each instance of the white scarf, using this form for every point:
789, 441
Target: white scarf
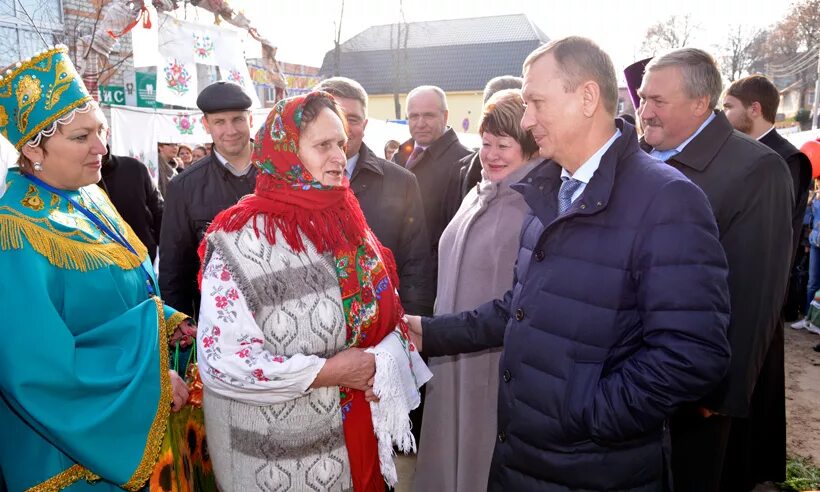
400, 372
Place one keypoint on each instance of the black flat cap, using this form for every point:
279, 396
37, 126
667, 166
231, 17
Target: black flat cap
223, 96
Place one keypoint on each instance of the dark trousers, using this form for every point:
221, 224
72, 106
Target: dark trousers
698, 450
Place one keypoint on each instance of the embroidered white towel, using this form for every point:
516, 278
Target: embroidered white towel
400, 372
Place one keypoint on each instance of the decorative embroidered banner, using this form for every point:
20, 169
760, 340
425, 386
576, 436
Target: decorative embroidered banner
232, 64
175, 47
177, 83
145, 42
133, 135
204, 47
176, 39
136, 131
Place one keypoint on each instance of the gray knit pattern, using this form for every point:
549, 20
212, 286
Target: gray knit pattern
298, 445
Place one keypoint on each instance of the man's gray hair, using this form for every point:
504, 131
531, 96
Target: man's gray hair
428, 88
699, 71
580, 60
501, 83
344, 87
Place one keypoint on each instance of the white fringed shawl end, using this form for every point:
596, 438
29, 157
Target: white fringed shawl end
400, 372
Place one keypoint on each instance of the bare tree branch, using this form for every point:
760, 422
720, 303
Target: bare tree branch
739, 51
674, 32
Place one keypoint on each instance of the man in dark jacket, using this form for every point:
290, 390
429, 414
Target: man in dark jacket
208, 187
167, 165
619, 306
751, 104
432, 154
135, 196
750, 190
757, 445
390, 199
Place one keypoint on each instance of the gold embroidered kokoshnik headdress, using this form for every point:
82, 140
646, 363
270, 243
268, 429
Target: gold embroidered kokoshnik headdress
37, 92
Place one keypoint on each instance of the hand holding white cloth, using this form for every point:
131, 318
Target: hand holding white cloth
400, 372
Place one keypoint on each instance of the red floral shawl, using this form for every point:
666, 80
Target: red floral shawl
290, 200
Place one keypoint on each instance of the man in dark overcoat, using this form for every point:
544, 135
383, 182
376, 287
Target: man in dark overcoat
433, 155
757, 445
390, 199
750, 190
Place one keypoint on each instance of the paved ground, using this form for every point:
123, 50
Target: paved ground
405, 466
803, 394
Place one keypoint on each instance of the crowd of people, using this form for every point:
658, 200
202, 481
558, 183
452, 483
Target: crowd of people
599, 302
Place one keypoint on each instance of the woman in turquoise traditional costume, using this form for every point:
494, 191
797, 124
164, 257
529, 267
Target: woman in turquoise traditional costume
85, 381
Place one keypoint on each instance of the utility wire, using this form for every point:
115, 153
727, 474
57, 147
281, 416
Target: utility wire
796, 69
799, 58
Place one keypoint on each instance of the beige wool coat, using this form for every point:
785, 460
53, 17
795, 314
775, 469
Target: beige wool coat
477, 254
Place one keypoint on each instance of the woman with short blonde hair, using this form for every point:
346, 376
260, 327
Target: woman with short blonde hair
476, 257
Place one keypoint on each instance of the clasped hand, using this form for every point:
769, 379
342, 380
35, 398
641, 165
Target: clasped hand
184, 333
179, 391
353, 368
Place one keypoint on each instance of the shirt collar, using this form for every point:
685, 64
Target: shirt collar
770, 130
351, 165
588, 168
683, 144
228, 165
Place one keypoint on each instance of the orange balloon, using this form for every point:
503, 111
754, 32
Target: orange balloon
812, 151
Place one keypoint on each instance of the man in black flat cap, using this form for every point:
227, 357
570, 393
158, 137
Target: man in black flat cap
208, 187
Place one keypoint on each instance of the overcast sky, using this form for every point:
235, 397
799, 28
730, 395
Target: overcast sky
303, 30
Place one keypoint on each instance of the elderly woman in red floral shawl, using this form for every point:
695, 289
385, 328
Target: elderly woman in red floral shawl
295, 289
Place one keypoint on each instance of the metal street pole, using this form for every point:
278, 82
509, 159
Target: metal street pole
814, 117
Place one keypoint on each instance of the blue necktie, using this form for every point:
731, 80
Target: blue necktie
664, 155
568, 188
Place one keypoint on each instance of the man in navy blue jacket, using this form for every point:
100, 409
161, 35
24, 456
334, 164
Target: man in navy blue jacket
620, 304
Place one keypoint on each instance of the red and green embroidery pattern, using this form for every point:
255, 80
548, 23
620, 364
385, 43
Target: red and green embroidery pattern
363, 280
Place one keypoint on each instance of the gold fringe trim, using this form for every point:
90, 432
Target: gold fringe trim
62, 249
8, 83
155, 436
172, 322
64, 479
112, 212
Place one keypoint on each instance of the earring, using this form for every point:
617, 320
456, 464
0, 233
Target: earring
38, 167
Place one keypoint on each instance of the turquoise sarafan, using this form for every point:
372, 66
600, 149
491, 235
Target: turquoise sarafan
35, 93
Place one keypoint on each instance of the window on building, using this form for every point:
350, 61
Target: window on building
19, 39
270, 94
